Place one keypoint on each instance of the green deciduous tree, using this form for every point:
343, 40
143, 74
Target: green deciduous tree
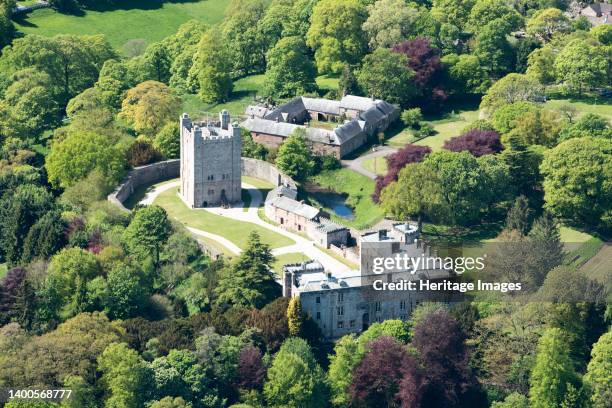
335, 34
68, 274
582, 66
157, 61
599, 371
295, 378
487, 11
79, 153
167, 141
455, 12
246, 44
147, 232
295, 157
149, 106
385, 74
553, 372
577, 176
211, 68
125, 375
289, 70
504, 119
541, 127
341, 364
545, 23
467, 74
509, 89
389, 22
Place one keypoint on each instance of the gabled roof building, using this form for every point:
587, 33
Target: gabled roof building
359, 120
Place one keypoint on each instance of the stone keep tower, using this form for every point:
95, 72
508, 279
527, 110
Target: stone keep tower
210, 162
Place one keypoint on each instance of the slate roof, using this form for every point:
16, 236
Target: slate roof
359, 103
284, 129
321, 105
282, 191
327, 225
257, 111
293, 206
348, 131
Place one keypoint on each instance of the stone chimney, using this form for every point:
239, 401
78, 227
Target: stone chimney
287, 283
224, 119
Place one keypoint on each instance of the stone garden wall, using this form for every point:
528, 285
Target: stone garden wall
156, 172
265, 171
149, 174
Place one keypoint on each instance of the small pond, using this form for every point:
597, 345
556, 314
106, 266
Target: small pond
331, 200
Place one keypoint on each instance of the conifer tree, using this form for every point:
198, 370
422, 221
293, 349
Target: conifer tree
294, 316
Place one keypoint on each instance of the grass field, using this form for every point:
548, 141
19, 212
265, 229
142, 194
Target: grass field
151, 20
445, 127
359, 189
242, 96
284, 259
3, 270
583, 106
235, 231
376, 165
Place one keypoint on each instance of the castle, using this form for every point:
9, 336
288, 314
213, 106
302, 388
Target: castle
210, 162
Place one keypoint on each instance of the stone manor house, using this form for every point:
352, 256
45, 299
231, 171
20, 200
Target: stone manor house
359, 119
210, 162
343, 303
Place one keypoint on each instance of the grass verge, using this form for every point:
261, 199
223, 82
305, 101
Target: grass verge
235, 231
359, 189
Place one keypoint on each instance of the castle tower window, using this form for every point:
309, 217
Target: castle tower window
318, 299
318, 315
377, 306
341, 297
340, 324
340, 310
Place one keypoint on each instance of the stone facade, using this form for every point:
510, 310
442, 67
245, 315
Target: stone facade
283, 208
210, 162
343, 303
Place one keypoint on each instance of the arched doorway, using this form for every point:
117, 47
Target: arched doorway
365, 321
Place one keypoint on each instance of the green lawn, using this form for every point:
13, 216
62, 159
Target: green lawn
583, 106
236, 231
242, 96
327, 83
359, 189
219, 247
376, 165
446, 128
3, 270
284, 259
151, 20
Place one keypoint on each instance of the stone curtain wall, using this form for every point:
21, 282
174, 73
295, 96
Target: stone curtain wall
153, 173
265, 171
149, 174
